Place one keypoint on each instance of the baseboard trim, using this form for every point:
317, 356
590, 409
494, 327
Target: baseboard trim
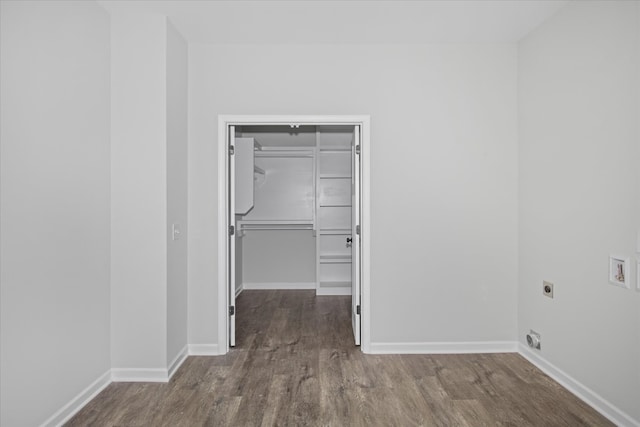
278, 285
443, 347
127, 375
178, 361
593, 399
239, 290
65, 413
139, 375
204, 350
333, 291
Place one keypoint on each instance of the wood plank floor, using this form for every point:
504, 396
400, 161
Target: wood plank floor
295, 365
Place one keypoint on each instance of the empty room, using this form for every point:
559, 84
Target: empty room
318, 212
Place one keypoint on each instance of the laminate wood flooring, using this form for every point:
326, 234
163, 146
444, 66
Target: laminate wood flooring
295, 365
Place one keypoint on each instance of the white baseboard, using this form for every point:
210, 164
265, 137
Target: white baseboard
70, 409
593, 399
178, 361
142, 375
150, 375
443, 347
239, 289
333, 291
204, 350
279, 285
127, 375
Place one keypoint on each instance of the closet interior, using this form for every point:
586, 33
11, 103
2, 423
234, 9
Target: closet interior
294, 192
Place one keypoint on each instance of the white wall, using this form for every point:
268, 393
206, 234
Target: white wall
579, 193
139, 191
282, 256
149, 195
177, 134
444, 173
55, 205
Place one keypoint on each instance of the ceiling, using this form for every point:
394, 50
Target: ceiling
349, 21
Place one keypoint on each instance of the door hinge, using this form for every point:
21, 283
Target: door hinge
232, 150
358, 149
358, 309
232, 311
358, 230
232, 230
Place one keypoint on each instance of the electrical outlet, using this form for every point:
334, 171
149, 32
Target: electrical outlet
620, 271
547, 289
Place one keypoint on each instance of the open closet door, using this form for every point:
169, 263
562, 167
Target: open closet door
355, 236
231, 268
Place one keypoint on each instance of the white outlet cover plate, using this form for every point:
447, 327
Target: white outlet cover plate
614, 262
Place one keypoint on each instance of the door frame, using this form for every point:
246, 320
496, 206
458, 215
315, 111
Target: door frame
224, 222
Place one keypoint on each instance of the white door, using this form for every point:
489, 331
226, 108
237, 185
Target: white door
355, 236
231, 268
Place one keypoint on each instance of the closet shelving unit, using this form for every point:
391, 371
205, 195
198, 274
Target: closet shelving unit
333, 205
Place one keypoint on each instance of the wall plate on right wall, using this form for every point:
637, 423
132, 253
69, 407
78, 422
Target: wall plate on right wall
619, 271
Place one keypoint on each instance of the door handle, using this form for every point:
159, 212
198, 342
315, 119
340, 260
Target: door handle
349, 240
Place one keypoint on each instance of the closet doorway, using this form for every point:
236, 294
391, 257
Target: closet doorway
294, 207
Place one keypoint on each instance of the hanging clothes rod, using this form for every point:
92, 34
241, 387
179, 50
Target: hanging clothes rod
283, 153
275, 225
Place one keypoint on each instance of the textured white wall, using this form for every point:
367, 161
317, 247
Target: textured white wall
444, 173
177, 133
54, 68
580, 193
138, 191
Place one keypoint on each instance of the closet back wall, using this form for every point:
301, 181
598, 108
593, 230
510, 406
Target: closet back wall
276, 257
443, 174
